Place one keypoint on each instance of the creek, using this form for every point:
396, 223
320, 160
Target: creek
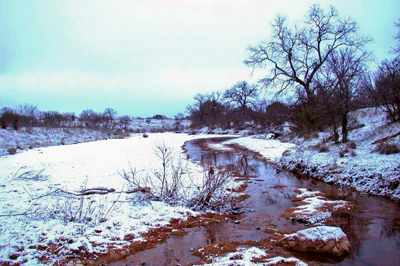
373, 228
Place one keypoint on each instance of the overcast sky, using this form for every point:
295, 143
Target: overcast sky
147, 57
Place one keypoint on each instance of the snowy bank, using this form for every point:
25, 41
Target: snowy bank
357, 164
44, 217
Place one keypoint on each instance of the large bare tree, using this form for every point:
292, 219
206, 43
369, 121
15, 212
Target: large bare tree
294, 55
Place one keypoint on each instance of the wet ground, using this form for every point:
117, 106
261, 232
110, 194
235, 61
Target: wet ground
373, 229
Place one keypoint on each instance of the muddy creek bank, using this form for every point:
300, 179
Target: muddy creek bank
373, 227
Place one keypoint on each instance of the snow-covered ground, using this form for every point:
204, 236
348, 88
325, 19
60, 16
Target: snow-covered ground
270, 149
37, 211
36, 137
354, 165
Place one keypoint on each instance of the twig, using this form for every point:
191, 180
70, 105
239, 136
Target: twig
27, 192
105, 216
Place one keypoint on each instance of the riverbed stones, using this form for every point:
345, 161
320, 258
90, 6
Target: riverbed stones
320, 239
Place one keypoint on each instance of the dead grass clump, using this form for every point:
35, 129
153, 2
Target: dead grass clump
12, 151
122, 135
342, 153
321, 147
351, 145
387, 148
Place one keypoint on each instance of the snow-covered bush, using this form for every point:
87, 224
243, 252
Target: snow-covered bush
171, 183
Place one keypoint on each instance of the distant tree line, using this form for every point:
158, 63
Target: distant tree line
321, 65
29, 116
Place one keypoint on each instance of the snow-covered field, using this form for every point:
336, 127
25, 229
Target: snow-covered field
35, 137
354, 165
38, 211
25, 139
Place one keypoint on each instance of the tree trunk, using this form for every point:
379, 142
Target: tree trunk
344, 127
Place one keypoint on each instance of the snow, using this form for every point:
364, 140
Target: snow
36, 137
323, 233
269, 148
35, 210
245, 256
220, 147
315, 208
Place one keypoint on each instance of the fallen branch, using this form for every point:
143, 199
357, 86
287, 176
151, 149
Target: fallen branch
140, 189
91, 191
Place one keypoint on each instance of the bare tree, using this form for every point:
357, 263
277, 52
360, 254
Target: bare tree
9, 117
207, 109
29, 111
179, 116
242, 94
396, 50
385, 88
296, 55
166, 155
344, 70
91, 118
109, 115
125, 120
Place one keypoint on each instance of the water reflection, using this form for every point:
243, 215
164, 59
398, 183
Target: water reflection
373, 228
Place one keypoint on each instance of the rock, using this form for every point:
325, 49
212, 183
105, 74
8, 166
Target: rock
321, 239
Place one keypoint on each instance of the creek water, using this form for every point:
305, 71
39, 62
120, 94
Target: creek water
373, 229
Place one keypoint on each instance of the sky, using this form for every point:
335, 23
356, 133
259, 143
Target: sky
143, 58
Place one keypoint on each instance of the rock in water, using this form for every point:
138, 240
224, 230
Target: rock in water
322, 239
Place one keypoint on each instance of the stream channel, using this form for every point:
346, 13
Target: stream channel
373, 228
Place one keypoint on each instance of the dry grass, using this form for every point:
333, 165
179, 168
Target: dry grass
321, 147
387, 148
12, 151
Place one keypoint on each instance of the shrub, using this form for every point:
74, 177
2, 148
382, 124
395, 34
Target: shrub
321, 147
12, 151
387, 148
351, 145
122, 135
